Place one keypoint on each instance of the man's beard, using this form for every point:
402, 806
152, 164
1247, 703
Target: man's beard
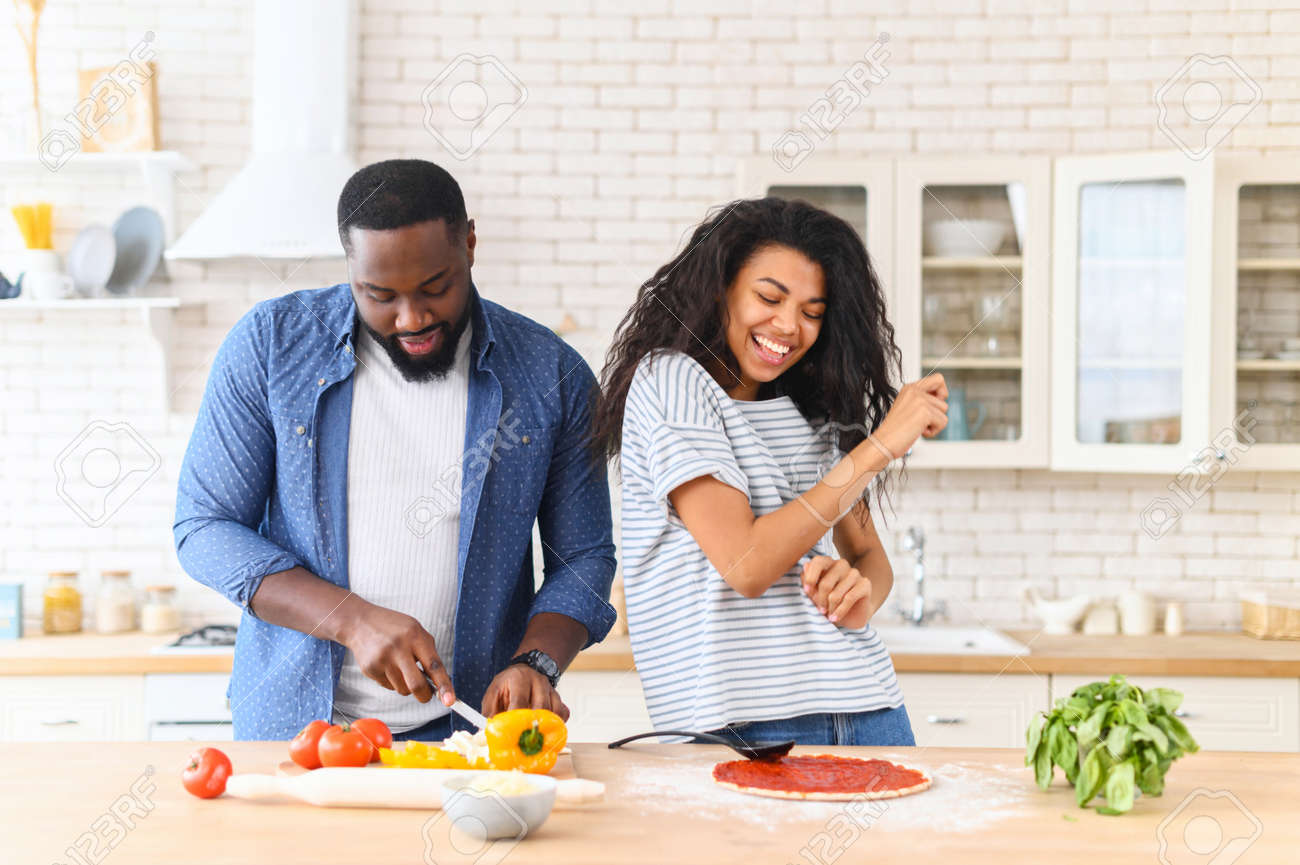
427, 367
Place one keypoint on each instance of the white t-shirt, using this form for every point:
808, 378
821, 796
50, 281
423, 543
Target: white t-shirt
403, 514
708, 656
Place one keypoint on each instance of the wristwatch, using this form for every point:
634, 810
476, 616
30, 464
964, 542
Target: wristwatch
541, 662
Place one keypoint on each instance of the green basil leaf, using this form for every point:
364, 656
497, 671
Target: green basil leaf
1068, 758
1151, 780
1148, 732
1164, 698
1132, 712
1119, 787
1090, 777
1177, 731
1089, 730
1119, 740
1109, 812
1033, 736
1043, 768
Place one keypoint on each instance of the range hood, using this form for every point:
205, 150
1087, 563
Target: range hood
282, 204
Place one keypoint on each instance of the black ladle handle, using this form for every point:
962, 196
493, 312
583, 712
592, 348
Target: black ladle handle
699, 737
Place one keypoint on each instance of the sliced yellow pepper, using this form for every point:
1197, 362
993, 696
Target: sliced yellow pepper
418, 755
526, 739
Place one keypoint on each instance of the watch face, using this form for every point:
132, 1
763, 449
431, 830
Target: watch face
546, 663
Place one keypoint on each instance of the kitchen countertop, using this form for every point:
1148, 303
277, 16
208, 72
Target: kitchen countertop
660, 806
1195, 654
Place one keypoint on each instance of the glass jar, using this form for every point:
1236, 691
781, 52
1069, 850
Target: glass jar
62, 603
159, 615
115, 604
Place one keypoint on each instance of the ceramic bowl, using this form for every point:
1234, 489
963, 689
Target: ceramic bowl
488, 815
965, 237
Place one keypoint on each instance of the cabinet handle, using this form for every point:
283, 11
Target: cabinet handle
67, 722
944, 719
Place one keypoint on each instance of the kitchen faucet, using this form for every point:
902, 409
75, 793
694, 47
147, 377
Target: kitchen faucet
914, 540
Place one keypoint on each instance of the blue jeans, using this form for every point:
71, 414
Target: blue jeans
887, 727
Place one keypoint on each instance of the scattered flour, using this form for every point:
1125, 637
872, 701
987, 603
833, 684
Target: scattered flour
964, 797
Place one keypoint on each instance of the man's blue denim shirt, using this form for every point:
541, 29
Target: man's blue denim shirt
263, 488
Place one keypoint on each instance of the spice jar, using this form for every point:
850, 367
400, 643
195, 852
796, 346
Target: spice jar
159, 614
115, 604
62, 603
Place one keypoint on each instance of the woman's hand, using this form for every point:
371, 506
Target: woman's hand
838, 590
920, 409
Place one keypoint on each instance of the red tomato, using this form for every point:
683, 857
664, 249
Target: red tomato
376, 733
206, 774
343, 746
302, 750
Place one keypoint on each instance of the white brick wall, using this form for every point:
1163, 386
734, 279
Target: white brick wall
636, 116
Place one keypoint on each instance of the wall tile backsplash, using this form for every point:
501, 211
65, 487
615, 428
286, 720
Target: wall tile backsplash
634, 124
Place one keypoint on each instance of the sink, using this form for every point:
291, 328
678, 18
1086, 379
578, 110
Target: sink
948, 640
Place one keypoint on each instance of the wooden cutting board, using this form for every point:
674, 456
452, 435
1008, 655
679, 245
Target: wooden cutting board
563, 768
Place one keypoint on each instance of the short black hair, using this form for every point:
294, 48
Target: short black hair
396, 193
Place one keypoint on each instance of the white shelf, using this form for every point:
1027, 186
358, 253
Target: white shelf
983, 262
80, 303
1268, 364
169, 159
971, 362
1268, 264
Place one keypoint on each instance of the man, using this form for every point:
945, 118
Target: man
363, 478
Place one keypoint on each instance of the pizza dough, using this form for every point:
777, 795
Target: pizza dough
820, 777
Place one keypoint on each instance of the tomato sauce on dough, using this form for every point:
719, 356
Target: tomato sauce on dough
818, 773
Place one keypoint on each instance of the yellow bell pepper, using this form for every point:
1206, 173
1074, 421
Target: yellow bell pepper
526, 739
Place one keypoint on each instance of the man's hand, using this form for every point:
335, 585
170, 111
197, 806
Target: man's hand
838, 590
387, 644
519, 686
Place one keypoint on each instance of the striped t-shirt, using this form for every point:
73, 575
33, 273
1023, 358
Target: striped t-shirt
708, 656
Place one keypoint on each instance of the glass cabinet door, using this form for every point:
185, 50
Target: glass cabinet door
858, 191
1268, 313
1131, 312
1256, 399
973, 292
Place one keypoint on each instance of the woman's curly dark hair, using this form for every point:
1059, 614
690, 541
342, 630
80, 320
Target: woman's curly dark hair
845, 379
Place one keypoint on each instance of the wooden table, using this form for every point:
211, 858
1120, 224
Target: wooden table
660, 807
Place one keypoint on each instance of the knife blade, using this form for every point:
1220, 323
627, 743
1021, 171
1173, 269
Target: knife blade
460, 707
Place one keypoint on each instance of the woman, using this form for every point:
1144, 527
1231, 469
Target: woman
752, 361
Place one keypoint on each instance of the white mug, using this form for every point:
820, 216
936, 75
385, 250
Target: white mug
42, 276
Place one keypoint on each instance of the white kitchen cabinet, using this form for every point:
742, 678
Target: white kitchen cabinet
179, 706
604, 706
1255, 398
1224, 713
971, 301
71, 708
1131, 304
969, 710
859, 191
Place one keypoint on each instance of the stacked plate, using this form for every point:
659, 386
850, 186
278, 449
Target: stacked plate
120, 260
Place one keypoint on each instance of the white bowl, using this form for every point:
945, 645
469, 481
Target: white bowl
488, 815
965, 237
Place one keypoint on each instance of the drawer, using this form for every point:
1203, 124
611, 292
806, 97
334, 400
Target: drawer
190, 731
1225, 713
966, 710
173, 697
71, 708
604, 706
